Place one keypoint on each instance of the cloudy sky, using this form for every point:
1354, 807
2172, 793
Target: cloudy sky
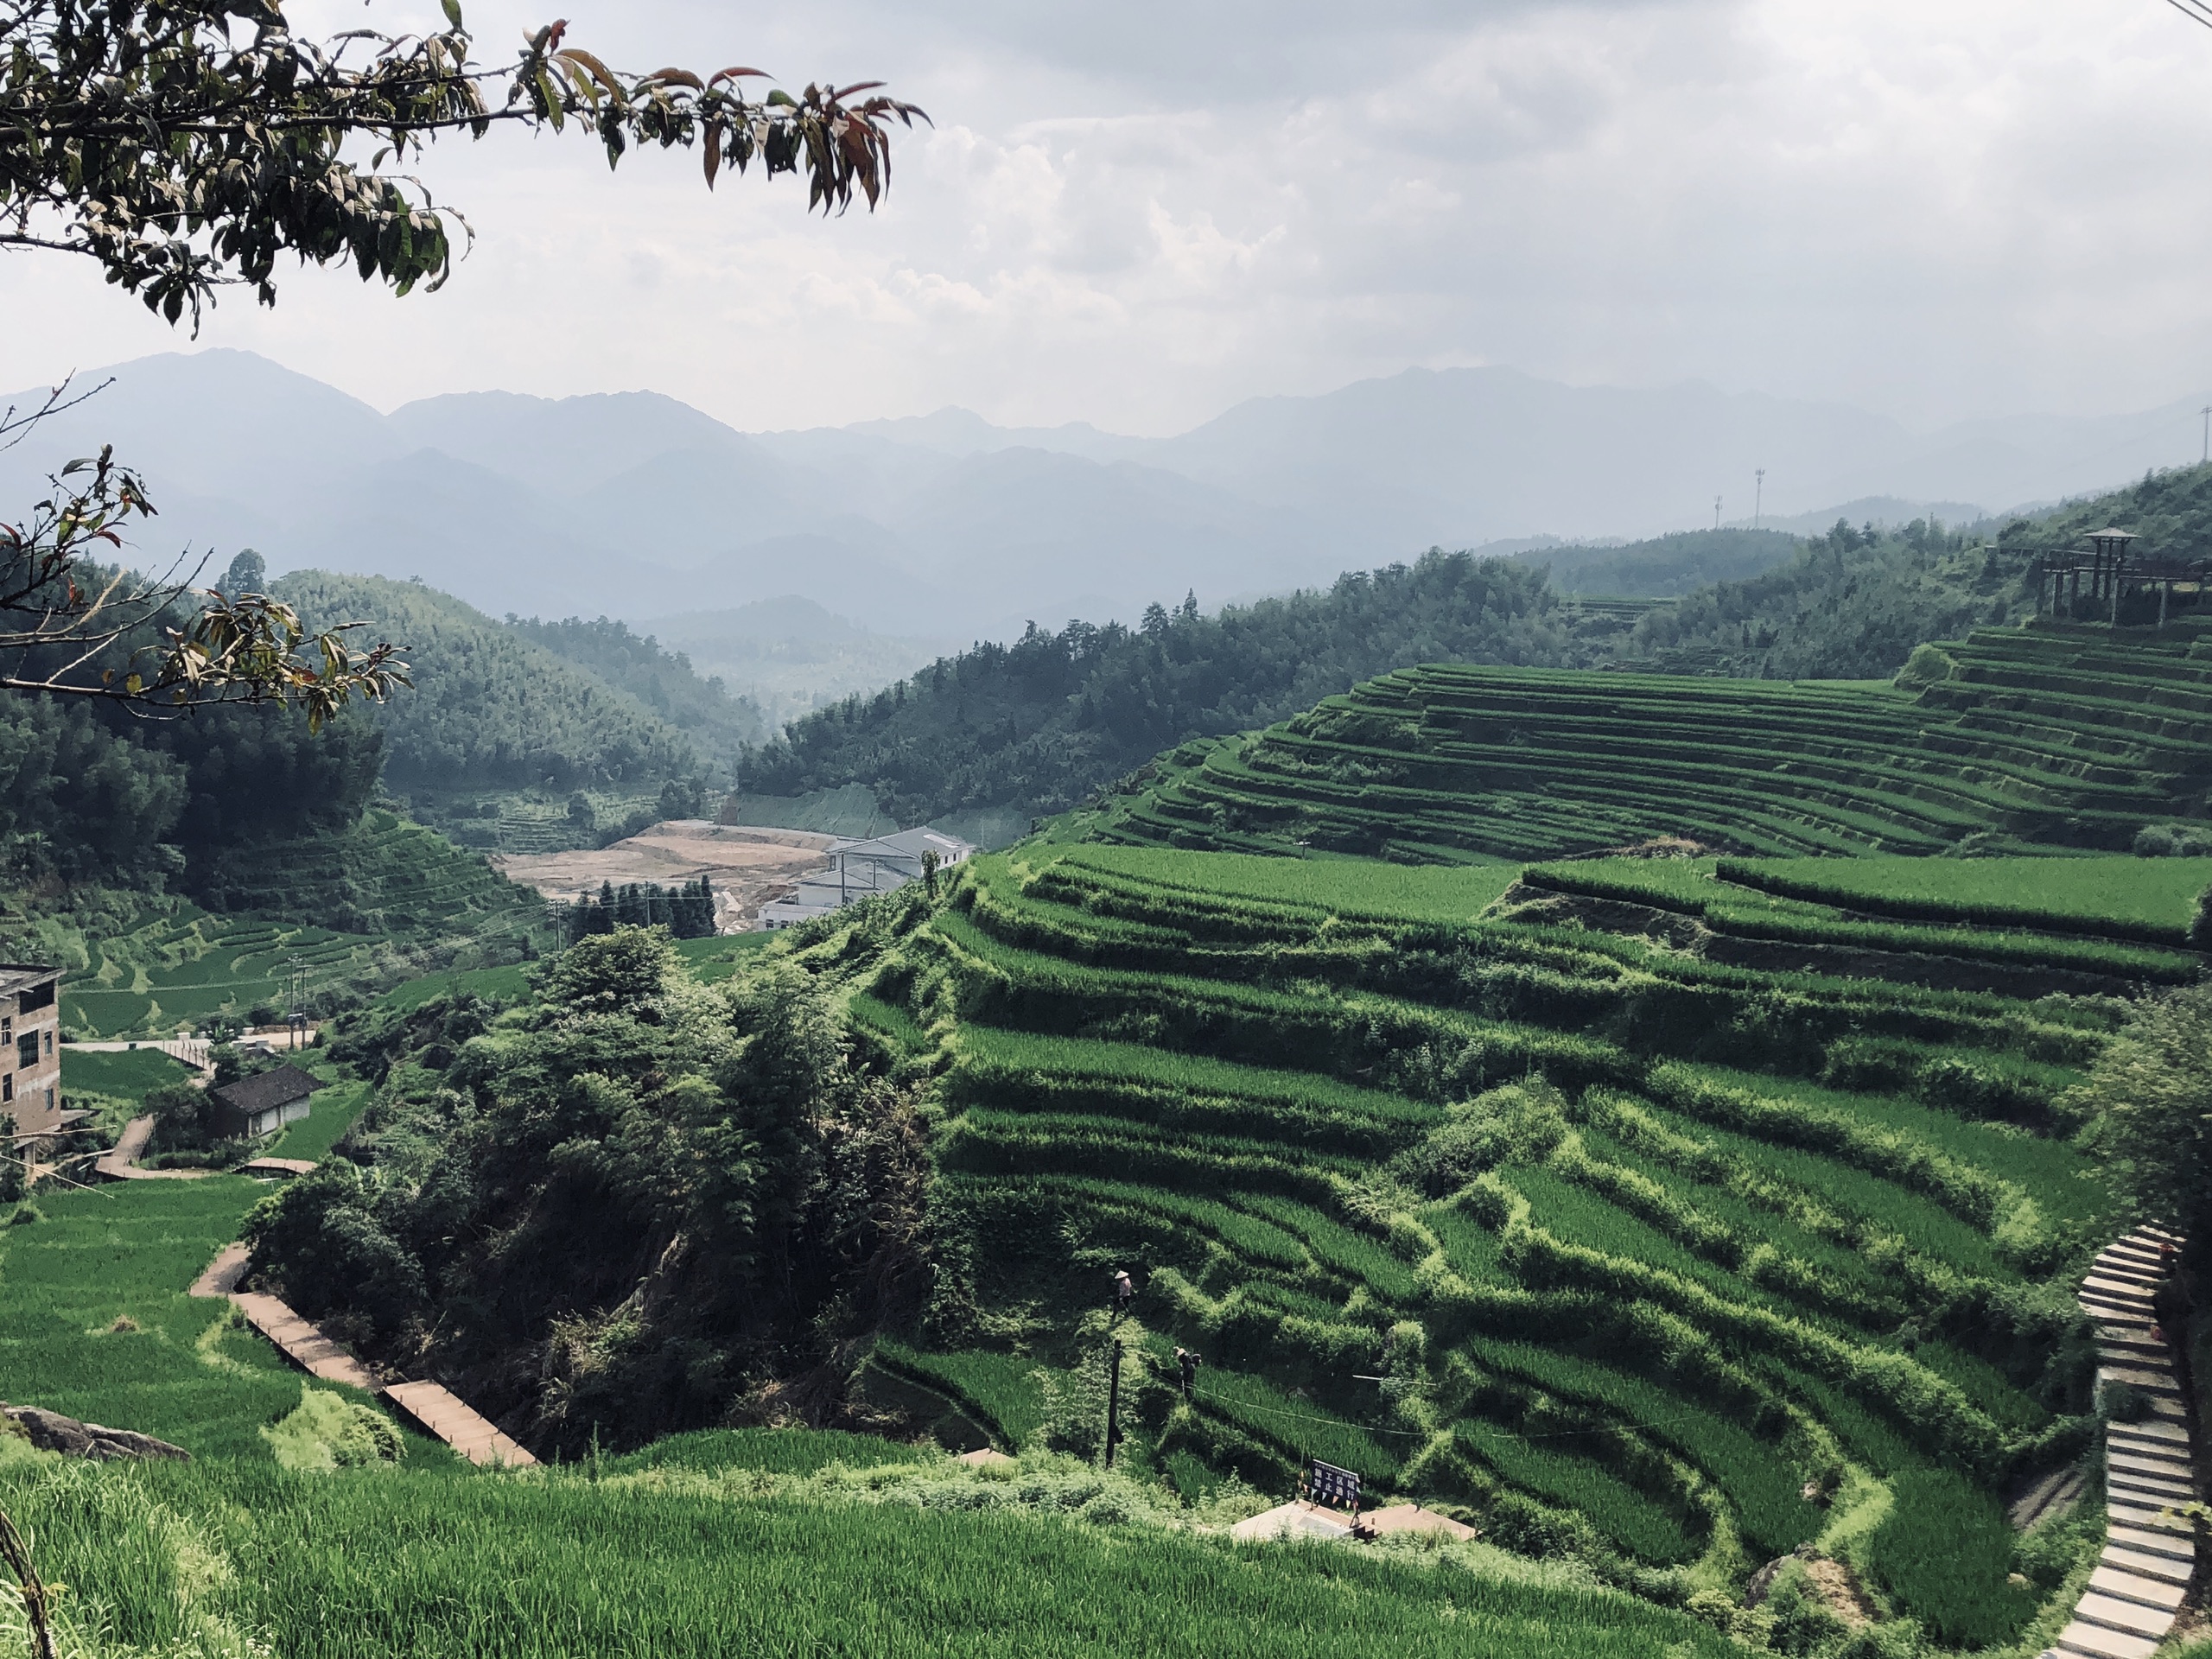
1137, 213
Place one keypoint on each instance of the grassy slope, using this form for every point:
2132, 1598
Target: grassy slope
2063, 737
498, 1568
697, 1546
127, 1252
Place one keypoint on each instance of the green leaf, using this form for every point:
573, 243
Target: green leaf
452, 14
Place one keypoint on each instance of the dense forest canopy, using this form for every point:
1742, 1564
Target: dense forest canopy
665, 1194
1045, 720
1666, 565
493, 708
718, 724
1039, 724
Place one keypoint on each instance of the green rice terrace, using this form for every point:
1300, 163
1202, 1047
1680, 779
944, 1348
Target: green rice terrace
388, 891
1660, 1218
2047, 736
311, 1525
1646, 1208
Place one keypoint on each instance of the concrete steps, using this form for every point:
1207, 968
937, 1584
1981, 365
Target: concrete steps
2150, 1551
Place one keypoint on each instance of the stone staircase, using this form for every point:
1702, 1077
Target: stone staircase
2150, 1550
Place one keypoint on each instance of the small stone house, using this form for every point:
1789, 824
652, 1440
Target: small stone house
260, 1104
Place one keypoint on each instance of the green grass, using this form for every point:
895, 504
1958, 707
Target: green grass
1302, 1428
1925, 1226
129, 1075
1756, 1477
383, 1566
1945, 1553
510, 983
128, 1252
1002, 1387
1345, 887
774, 1451
1359, 1256
2057, 1175
1638, 1525
331, 1112
2133, 897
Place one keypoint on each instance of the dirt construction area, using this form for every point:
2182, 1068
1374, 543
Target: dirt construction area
748, 865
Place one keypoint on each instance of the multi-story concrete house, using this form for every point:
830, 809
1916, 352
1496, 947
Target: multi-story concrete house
30, 1045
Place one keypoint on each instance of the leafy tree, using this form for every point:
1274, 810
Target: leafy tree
2151, 1092
639, 1204
248, 573
184, 148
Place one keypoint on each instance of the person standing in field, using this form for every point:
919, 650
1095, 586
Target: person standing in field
1124, 1291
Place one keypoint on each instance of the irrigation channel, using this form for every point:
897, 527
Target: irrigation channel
2149, 1549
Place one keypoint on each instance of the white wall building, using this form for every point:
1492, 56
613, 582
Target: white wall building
859, 869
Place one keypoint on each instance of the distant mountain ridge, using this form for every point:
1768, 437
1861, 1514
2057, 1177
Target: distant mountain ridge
633, 504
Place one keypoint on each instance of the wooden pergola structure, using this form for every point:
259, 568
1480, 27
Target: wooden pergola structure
2111, 568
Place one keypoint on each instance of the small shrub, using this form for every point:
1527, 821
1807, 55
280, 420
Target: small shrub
25, 1214
2173, 840
2126, 1403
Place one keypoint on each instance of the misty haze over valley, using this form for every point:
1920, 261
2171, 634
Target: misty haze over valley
904, 537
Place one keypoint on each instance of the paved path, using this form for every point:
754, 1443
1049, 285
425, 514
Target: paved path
303, 1343
120, 1162
436, 1407
2150, 1554
458, 1424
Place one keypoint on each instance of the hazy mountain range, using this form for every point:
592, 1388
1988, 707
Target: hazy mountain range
944, 527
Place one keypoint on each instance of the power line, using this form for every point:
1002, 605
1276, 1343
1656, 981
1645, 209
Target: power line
2195, 10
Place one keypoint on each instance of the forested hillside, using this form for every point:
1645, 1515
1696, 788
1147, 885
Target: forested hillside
92, 793
1665, 566
1039, 724
492, 709
718, 724
1042, 722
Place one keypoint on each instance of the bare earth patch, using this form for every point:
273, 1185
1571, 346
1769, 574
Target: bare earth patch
747, 864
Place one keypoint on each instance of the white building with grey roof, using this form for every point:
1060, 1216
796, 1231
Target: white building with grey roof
860, 869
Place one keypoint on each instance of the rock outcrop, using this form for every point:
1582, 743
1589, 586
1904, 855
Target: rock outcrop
50, 1430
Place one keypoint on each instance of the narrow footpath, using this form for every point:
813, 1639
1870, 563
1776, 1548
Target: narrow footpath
2150, 1551
120, 1162
439, 1412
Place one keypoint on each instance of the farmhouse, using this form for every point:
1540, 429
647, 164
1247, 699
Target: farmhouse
260, 1104
859, 868
30, 1064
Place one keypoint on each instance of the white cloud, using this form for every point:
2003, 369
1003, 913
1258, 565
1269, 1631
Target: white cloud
1138, 215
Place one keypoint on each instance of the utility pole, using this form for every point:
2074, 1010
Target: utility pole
1716, 512
1758, 495
1113, 1399
2207, 413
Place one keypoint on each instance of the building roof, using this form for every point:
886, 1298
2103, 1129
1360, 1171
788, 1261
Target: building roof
258, 1093
22, 975
907, 843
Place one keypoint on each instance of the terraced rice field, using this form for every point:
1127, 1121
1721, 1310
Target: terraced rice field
2047, 735
383, 888
1583, 1201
